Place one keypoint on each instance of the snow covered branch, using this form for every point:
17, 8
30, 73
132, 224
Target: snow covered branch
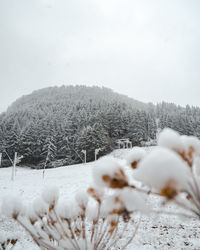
93, 220
7, 241
171, 169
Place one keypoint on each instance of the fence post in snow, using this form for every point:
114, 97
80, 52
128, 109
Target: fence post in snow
84, 152
0, 158
96, 153
14, 167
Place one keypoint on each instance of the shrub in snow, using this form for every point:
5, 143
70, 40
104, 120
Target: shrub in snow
7, 241
94, 220
162, 167
188, 147
172, 170
109, 173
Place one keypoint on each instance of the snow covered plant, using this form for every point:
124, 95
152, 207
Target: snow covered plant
171, 169
92, 221
7, 241
120, 205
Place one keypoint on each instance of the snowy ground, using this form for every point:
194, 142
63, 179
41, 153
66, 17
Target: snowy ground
155, 232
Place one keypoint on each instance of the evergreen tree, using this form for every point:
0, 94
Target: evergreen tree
91, 138
70, 114
49, 150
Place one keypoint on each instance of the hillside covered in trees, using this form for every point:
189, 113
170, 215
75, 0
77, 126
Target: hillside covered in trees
57, 123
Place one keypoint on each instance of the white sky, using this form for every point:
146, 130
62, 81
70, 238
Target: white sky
147, 49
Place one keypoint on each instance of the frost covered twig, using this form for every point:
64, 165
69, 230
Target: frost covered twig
7, 241
171, 170
87, 223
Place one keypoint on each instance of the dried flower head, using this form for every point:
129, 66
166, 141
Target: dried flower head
187, 156
169, 190
12, 206
50, 195
160, 166
135, 155
187, 147
116, 180
109, 173
97, 194
113, 225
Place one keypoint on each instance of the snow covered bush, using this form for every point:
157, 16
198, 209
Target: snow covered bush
94, 220
171, 170
7, 241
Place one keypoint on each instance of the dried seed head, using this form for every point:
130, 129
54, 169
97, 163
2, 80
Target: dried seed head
40, 207
188, 197
77, 232
135, 155
12, 206
97, 194
50, 195
91, 191
106, 178
31, 215
125, 215
161, 165
82, 199
134, 164
169, 190
108, 172
113, 225
187, 156
118, 180
13, 241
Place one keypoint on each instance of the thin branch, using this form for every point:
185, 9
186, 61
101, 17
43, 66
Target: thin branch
136, 229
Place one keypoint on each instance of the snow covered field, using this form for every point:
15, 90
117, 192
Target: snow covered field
155, 232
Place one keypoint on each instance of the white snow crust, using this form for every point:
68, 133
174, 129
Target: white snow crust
155, 232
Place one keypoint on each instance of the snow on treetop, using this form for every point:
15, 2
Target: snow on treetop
162, 166
108, 172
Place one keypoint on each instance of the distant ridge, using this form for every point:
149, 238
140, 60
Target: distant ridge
73, 118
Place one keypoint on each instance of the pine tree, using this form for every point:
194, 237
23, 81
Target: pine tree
49, 150
91, 138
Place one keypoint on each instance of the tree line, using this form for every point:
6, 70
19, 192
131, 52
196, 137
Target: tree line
57, 123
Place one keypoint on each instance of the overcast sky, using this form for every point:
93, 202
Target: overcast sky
147, 49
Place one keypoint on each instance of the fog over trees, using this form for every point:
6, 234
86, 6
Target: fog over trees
57, 123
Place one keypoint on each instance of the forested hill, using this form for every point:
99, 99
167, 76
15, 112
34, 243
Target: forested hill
59, 122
